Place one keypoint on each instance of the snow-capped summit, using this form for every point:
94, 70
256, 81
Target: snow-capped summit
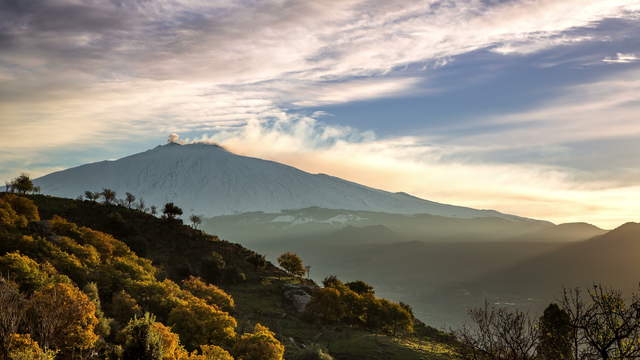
209, 180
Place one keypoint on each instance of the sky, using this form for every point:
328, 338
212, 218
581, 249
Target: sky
529, 107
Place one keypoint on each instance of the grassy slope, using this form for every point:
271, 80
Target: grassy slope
179, 251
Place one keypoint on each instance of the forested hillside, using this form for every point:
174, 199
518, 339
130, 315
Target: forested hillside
88, 280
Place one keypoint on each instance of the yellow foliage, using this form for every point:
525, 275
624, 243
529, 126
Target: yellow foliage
9, 217
22, 347
199, 323
63, 317
212, 294
23, 206
261, 344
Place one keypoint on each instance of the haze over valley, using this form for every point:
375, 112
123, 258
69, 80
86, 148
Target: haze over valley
320, 180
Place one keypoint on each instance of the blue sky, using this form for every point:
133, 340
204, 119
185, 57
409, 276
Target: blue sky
525, 106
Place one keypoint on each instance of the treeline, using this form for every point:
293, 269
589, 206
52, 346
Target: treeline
596, 323
71, 292
24, 185
353, 303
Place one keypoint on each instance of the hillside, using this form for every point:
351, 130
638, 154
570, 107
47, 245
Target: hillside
258, 290
612, 258
209, 180
304, 224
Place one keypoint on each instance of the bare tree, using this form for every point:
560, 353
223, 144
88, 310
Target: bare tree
605, 325
498, 334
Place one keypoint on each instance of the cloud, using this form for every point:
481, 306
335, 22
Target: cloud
425, 169
122, 68
534, 45
80, 73
621, 58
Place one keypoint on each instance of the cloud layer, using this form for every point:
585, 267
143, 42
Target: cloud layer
85, 73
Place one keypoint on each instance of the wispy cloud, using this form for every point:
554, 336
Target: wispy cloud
621, 58
414, 165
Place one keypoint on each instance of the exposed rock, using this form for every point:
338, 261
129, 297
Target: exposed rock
298, 295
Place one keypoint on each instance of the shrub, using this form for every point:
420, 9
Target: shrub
22, 347
212, 294
261, 344
199, 323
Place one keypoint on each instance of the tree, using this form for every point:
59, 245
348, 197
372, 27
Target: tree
199, 323
555, 335
145, 338
498, 334
22, 184
259, 345
605, 326
361, 287
326, 305
129, 199
108, 195
195, 221
92, 196
63, 317
154, 210
171, 211
12, 313
292, 264
141, 206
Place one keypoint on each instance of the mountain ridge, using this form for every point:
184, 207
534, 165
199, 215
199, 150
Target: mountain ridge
208, 180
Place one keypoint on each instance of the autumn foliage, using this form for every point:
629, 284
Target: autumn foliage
125, 311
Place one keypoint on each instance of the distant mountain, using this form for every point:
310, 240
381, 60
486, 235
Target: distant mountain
569, 232
208, 180
612, 259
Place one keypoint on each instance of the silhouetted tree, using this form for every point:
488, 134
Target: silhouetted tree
171, 211
360, 287
92, 196
291, 263
154, 210
22, 184
108, 195
129, 199
555, 335
195, 221
140, 205
605, 325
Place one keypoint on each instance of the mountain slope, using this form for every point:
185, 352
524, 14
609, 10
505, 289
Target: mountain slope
612, 259
208, 180
178, 251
